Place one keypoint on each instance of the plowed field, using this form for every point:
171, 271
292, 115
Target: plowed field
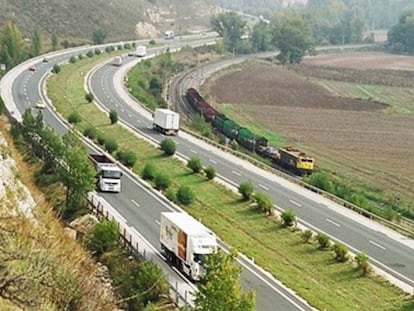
356, 137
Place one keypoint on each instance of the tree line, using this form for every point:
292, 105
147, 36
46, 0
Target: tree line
401, 35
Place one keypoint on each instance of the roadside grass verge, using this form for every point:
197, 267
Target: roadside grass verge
314, 274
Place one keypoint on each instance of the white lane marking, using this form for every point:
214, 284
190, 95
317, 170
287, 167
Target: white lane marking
264, 187
139, 121
333, 222
193, 151
296, 203
377, 245
212, 161
236, 173
122, 110
158, 223
129, 115
135, 203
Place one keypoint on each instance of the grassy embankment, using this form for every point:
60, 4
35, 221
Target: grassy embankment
314, 274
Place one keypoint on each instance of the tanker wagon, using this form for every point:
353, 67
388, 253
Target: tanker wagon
185, 243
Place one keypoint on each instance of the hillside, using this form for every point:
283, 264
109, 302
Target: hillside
120, 18
41, 267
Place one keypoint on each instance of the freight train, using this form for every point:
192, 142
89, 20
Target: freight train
287, 157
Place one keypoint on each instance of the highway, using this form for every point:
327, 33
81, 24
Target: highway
139, 205
387, 249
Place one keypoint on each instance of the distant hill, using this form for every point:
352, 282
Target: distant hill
123, 19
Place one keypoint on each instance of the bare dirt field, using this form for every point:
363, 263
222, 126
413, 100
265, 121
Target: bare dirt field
357, 138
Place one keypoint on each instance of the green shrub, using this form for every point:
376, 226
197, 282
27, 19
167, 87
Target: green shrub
111, 146
74, 117
127, 158
113, 116
323, 240
195, 165
246, 190
134, 44
234, 145
210, 172
162, 181
170, 194
150, 281
72, 59
341, 252
362, 260
148, 172
288, 217
56, 68
109, 49
264, 203
101, 139
90, 132
185, 195
89, 97
119, 47
103, 237
152, 42
90, 54
127, 46
168, 146
80, 56
98, 51
306, 236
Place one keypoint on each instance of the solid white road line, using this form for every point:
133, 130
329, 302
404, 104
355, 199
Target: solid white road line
333, 222
135, 203
236, 173
295, 203
377, 245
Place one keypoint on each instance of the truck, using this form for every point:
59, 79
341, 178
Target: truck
108, 173
141, 51
169, 34
166, 121
186, 242
117, 61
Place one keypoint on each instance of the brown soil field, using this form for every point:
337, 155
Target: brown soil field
359, 139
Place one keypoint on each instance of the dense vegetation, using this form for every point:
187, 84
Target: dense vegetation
401, 35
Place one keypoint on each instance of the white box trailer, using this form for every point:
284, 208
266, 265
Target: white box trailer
141, 51
185, 242
166, 121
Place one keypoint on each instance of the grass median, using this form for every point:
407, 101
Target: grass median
314, 274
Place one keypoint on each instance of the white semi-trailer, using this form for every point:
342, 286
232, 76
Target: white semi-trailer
141, 51
108, 173
185, 242
166, 121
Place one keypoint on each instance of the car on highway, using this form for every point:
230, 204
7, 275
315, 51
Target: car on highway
32, 68
40, 105
45, 60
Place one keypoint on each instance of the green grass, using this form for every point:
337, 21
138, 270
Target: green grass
312, 273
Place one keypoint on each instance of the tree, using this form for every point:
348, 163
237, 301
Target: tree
231, 27
162, 181
103, 237
246, 190
148, 172
168, 146
54, 41
89, 97
401, 35
264, 203
261, 38
113, 116
288, 216
195, 165
99, 35
56, 68
36, 42
74, 117
111, 145
185, 195
12, 47
291, 35
210, 172
219, 289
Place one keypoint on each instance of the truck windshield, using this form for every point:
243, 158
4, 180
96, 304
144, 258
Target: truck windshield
199, 258
112, 174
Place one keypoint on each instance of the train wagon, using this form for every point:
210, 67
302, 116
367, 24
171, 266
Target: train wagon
230, 128
296, 160
249, 140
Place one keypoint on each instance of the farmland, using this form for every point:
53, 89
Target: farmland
358, 124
